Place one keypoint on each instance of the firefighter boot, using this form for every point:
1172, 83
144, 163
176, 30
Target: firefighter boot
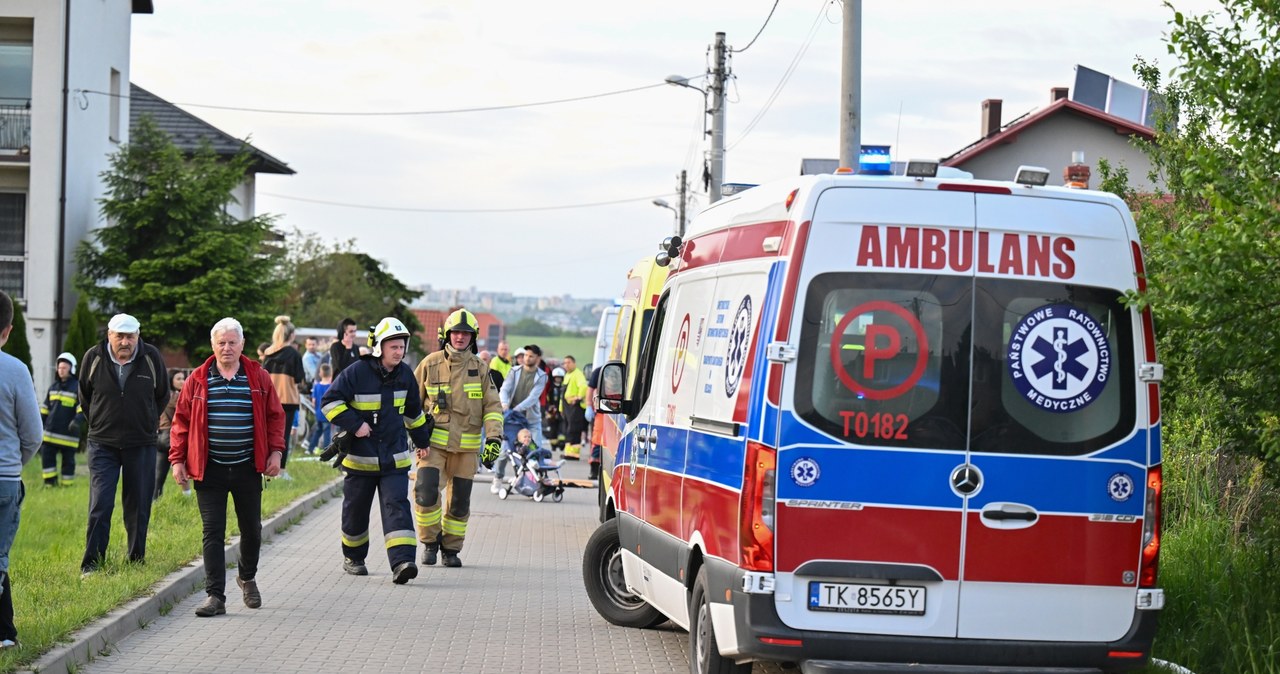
451, 558
429, 552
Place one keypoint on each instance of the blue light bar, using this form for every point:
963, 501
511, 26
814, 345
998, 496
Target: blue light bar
875, 160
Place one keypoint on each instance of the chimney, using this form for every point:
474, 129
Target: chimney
1076, 174
1057, 93
990, 117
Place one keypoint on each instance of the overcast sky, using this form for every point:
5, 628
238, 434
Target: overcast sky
926, 67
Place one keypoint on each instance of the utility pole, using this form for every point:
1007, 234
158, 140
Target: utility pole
684, 196
719, 75
851, 86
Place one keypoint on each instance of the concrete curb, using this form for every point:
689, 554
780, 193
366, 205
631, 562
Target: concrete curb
101, 635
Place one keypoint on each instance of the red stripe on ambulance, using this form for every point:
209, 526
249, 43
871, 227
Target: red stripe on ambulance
1057, 549
870, 534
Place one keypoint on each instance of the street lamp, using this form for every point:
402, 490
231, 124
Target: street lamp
682, 81
674, 212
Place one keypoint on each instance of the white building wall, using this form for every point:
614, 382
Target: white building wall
1050, 144
99, 39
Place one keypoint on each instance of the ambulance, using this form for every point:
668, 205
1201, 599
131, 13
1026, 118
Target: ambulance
634, 315
892, 423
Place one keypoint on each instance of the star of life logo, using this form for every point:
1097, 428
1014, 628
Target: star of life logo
1120, 487
805, 471
1059, 358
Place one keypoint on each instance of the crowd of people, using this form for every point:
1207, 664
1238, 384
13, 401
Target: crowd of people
219, 430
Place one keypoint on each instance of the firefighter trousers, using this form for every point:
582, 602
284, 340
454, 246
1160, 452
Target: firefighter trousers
450, 474
397, 521
49, 453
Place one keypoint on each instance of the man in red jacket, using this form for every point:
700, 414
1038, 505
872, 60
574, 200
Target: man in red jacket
228, 431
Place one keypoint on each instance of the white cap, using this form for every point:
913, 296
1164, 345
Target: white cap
123, 323
519, 352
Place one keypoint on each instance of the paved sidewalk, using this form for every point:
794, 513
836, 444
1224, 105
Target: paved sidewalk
516, 605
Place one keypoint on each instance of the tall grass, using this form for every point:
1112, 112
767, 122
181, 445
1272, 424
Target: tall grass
51, 600
1219, 565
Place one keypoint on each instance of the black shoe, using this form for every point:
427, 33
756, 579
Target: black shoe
451, 558
211, 607
429, 553
353, 567
403, 573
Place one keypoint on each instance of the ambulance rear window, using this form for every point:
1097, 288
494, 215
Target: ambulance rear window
917, 360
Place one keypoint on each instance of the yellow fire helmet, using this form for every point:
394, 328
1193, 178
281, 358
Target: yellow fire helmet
461, 321
387, 328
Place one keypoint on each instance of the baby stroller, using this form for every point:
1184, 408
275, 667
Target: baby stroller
536, 475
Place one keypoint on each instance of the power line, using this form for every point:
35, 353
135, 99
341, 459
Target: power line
402, 113
406, 209
766, 22
795, 62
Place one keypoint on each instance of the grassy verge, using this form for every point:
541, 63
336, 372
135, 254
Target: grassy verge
581, 348
1219, 558
51, 600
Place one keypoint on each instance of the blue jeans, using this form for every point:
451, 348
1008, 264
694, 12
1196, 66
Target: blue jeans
322, 431
11, 495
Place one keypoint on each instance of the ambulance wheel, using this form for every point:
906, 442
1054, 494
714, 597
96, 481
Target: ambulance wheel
503, 492
704, 652
537, 496
558, 496
606, 586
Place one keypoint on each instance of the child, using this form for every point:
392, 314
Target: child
324, 379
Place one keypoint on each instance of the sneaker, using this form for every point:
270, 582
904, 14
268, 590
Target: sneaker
403, 573
252, 598
211, 607
353, 567
7, 643
451, 558
493, 486
429, 553
284, 475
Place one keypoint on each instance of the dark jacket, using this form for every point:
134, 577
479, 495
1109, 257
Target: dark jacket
61, 406
189, 434
285, 366
129, 417
390, 403
340, 357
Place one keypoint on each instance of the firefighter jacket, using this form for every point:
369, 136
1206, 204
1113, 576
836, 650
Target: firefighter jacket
458, 390
386, 400
60, 407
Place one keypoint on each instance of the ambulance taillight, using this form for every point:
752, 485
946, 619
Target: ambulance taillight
755, 522
1151, 530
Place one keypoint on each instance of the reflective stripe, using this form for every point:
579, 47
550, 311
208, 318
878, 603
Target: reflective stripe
365, 463
454, 527
470, 441
400, 537
44, 410
368, 402
414, 423
333, 409
440, 436
493, 416
432, 390
355, 541
59, 439
428, 519
50, 473
67, 399
403, 459
468, 387
68, 479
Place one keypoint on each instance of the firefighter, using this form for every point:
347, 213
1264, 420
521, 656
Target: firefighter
62, 421
460, 394
375, 399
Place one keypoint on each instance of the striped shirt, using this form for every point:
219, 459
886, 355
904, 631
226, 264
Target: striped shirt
230, 418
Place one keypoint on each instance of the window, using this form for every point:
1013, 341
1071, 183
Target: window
13, 243
15, 96
114, 125
1017, 367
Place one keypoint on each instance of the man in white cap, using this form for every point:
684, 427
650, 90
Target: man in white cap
123, 387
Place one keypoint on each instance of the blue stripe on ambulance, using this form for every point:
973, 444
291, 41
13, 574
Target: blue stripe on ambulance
762, 420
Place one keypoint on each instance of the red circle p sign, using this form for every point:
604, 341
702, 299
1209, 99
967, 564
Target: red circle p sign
883, 342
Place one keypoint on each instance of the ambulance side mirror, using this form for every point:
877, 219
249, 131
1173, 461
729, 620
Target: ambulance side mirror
611, 394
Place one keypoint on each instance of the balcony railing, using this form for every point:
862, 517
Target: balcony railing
15, 127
